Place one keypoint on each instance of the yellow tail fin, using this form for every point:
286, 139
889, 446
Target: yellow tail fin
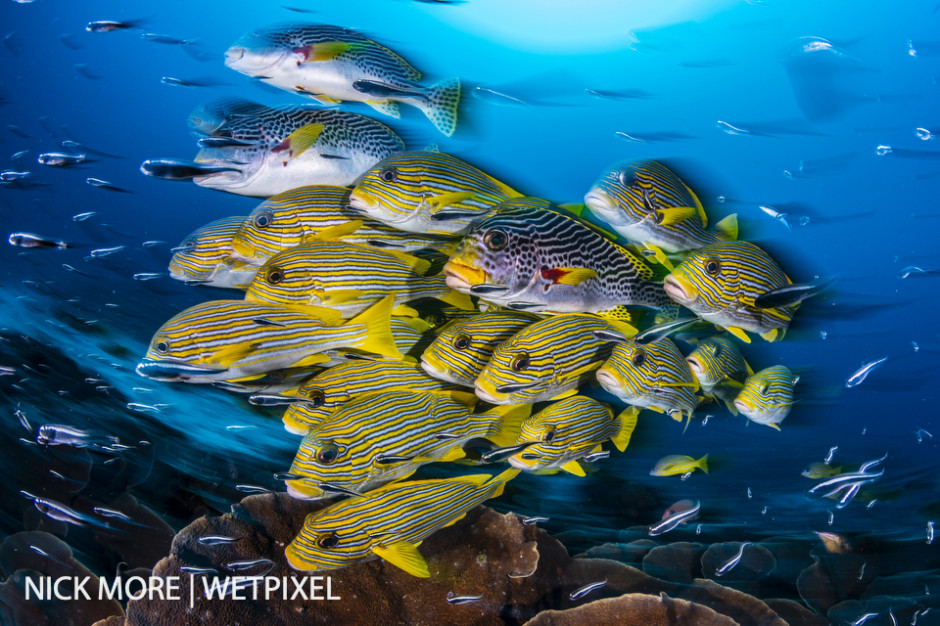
378, 335
702, 463
627, 419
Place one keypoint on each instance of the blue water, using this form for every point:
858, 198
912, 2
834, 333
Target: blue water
813, 128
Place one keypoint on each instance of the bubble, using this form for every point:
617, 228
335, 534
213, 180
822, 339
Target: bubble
721, 199
823, 334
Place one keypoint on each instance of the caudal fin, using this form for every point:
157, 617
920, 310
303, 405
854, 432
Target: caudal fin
377, 321
440, 105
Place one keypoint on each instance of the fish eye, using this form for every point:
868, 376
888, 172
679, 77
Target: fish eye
462, 341
327, 541
639, 358
495, 240
274, 275
764, 389
187, 244
162, 346
438, 320
520, 363
389, 175
627, 178
327, 453
549, 435
712, 266
316, 398
262, 219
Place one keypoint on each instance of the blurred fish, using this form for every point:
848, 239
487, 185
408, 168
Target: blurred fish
331, 63
81, 217
661, 331
382, 437
205, 257
720, 368
463, 348
11, 176
818, 469
496, 97
297, 9
914, 270
720, 282
180, 169
834, 544
190, 82
548, 359
18, 155
84, 70
620, 94
64, 435
106, 26
427, 192
61, 159
76, 147
767, 396
862, 373
731, 129
103, 252
389, 522
731, 563
69, 41
103, 184
679, 464
789, 295
681, 512
166, 39
652, 137
219, 340
529, 255
29, 240
16, 130
581, 592
822, 77
568, 431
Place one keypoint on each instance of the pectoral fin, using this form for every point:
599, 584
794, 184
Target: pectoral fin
660, 256
299, 141
333, 232
568, 275
323, 51
341, 296
573, 467
446, 199
775, 334
674, 215
404, 555
739, 333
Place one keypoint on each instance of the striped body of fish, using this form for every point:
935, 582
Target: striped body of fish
463, 348
329, 390
651, 376
428, 192
378, 438
720, 368
529, 256
331, 63
720, 282
238, 340
648, 203
568, 431
767, 396
280, 383
287, 219
205, 257
389, 522
548, 359
287, 147
348, 278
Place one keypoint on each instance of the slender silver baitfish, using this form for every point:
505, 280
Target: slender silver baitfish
205, 257
331, 63
568, 431
464, 347
548, 359
238, 340
767, 396
326, 392
720, 282
428, 192
378, 438
528, 255
648, 203
651, 376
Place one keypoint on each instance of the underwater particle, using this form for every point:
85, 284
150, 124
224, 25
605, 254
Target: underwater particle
81, 217
882, 150
764, 510
698, 529
923, 134
915, 346
929, 532
577, 594
832, 518
920, 432
823, 334
830, 454
862, 373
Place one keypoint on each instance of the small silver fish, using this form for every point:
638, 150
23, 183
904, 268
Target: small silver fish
30, 240
103, 184
242, 566
672, 521
660, 331
105, 512
252, 489
61, 159
149, 275
577, 594
215, 540
862, 373
455, 599
59, 511
81, 217
789, 295
103, 252
529, 521
728, 565
9, 176
106, 26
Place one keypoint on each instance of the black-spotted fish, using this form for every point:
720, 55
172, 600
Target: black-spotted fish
720, 368
237, 340
287, 219
348, 278
548, 359
205, 257
382, 437
389, 522
428, 192
648, 203
720, 282
568, 431
277, 149
326, 392
331, 64
463, 348
767, 396
651, 376
528, 255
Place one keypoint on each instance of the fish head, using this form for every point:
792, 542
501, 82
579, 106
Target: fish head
767, 395
322, 458
259, 236
241, 166
621, 195
301, 416
260, 53
197, 256
519, 370
395, 190
714, 360
630, 371
328, 541
288, 277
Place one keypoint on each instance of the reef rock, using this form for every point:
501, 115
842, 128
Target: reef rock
634, 608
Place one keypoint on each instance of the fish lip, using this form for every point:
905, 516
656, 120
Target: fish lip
242, 251
437, 372
677, 289
599, 201
364, 203
462, 277
607, 380
486, 396
741, 406
695, 366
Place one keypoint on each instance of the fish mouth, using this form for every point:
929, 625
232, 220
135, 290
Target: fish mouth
610, 382
598, 201
233, 55
742, 406
519, 463
296, 562
679, 289
462, 277
486, 393
695, 366
173, 371
365, 203
176, 271
434, 370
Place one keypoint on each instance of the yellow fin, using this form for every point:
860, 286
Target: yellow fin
698, 206
325, 50
463, 397
446, 199
509, 422
775, 427
728, 227
458, 299
313, 359
574, 275
575, 208
573, 467
341, 296
674, 215
405, 556
565, 394
750, 372
385, 107
693, 385
418, 265
502, 479
654, 408
408, 314
627, 424
731, 408
774, 334
740, 334
231, 354
377, 321
332, 232
702, 464
660, 256
328, 316
245, 378
300, 140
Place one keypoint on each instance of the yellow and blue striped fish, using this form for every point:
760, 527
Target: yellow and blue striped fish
548, 359
327, 391
348, 278
287, 219
720, 368
238, 340
463, 348
389, 522
648, 203
205, 257
568, 431
653, 376
378, 438
720, 282
427, 192
767, 396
